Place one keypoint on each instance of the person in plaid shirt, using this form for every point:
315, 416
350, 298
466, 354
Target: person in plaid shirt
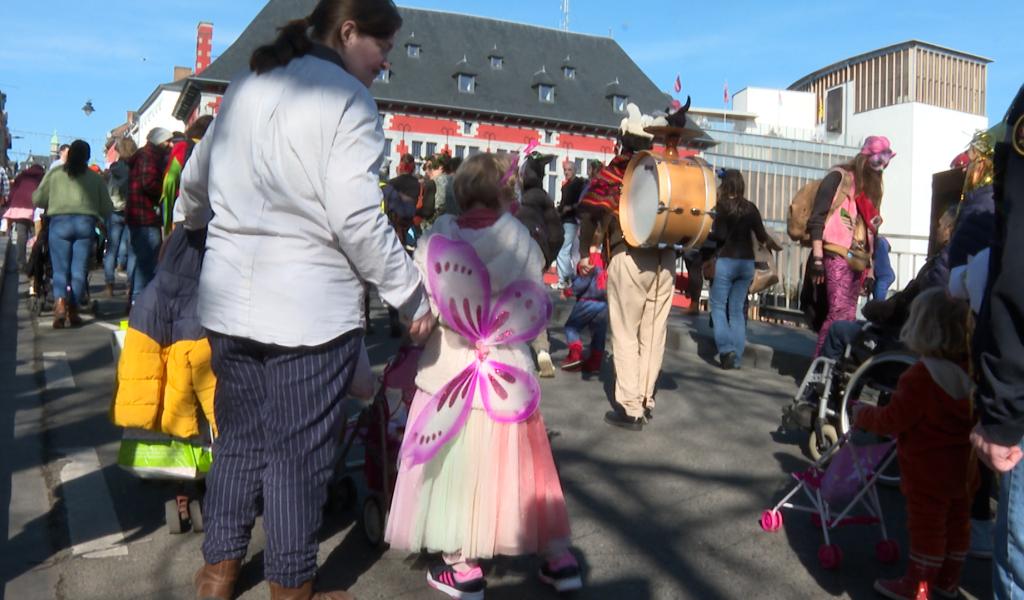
142, 210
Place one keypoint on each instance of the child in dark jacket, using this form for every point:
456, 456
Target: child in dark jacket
930, 415
591, 311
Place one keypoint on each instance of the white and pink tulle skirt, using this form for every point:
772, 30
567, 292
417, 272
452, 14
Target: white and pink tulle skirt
492, 490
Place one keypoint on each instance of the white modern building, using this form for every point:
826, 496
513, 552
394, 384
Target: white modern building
928, 100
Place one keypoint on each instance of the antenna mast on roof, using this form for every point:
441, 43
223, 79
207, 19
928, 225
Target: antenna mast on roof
565, 15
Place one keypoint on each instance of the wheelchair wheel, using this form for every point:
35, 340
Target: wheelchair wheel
820, 444
873, 383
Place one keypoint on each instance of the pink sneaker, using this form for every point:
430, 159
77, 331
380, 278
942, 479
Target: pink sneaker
563, 574
464, 586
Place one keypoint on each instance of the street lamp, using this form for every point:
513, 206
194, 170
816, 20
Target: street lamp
87, 108
490, 138
447, 131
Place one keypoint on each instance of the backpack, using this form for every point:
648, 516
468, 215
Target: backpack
803, 203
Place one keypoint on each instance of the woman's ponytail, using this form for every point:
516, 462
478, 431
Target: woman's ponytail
292, 42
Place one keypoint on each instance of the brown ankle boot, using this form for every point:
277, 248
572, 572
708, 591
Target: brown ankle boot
73, 317
60, 313
217, 581
305, 592
110, 290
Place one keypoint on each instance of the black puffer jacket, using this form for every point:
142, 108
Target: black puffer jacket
537, 210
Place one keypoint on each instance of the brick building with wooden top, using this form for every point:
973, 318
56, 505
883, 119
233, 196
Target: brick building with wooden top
473, 84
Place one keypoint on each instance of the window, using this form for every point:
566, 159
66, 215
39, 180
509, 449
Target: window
467, 128
546, 93
384, 76
467, 83
417, 149
619, 103
431, 148
473, 150
460, 151
579, 167
569, 72
549, 136
834, 110
497, 63
387, 147
413, 50
552, 183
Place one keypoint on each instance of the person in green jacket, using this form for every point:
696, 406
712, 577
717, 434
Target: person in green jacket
75, 199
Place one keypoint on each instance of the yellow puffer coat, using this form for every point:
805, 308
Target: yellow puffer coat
164, 376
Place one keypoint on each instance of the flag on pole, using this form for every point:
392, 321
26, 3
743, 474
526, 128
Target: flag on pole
679, 84
821, 110
725, 93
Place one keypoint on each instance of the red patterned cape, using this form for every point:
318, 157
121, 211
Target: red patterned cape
605, 188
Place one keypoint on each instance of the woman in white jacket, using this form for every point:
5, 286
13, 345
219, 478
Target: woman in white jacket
286, 182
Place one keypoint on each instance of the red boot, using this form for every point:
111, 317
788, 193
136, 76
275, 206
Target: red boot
912, 586
575, 358
593, 362
947, 582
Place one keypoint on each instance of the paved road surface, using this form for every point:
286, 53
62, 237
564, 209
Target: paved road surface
664, 514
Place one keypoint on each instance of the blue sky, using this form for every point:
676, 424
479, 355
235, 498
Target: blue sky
56, 55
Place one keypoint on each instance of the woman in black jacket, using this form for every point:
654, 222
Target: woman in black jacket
737, 219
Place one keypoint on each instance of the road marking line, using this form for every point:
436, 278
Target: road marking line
57, 371
107, 326
92, 523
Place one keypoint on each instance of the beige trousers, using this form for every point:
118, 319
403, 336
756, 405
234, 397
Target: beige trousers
639, 299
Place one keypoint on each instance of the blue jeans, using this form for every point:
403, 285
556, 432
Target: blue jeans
145, 243
840, 335
1008, 554
570, 247
71, 244
117, 245
732, 280
592, 314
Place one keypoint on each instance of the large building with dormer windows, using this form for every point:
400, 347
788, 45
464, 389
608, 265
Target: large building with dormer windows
473, 84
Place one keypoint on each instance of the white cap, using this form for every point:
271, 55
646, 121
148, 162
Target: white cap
158, 135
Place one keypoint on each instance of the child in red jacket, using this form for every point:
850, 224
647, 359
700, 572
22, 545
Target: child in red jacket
930, 415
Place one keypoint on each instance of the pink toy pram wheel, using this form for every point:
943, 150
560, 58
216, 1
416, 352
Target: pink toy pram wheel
771, 521
830, 557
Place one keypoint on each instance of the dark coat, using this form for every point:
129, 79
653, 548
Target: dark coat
999, 336
975, 226
537, 211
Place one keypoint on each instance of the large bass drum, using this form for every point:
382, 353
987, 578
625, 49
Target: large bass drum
667, 200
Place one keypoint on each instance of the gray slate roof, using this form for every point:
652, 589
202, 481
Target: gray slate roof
446, 38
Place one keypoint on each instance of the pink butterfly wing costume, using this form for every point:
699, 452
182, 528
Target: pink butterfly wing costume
460, 285
476, 473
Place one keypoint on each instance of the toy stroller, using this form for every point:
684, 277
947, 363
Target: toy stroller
846, 476
379, 427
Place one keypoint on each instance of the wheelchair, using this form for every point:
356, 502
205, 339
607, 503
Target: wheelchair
867, 372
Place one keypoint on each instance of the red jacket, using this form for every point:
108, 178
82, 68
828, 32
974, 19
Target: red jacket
930, 415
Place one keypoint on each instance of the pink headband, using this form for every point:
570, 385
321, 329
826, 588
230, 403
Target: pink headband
514, 167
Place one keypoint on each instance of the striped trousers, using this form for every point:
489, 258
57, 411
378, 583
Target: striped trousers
279, 413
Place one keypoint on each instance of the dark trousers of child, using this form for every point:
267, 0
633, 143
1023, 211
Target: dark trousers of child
592, 314
940, 530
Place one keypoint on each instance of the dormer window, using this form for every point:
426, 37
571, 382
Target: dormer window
384, 76
546, 93
619, 103
497, 62
467, 83
569, 72
413, 50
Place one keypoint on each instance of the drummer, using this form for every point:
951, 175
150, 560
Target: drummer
639, 282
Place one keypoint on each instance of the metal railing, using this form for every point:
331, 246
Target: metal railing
790, 262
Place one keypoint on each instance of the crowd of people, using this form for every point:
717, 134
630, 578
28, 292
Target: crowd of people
283, 245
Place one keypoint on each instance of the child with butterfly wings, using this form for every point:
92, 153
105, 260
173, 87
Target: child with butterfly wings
476, 476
